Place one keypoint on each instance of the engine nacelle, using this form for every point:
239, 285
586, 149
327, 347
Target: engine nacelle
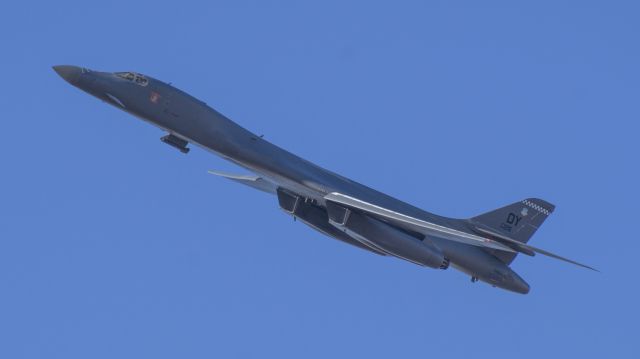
386, 238
316, 217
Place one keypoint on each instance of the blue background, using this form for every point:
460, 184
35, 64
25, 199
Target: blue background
114, 245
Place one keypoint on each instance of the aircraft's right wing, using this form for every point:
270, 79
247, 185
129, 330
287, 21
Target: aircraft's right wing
256, 182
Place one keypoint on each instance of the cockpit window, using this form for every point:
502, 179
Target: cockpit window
133, 77
126, 75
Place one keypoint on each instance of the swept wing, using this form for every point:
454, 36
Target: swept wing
497, 241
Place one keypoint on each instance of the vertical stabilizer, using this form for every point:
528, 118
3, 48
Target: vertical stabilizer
518, 221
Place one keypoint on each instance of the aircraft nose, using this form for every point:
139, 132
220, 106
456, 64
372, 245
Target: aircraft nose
68, 73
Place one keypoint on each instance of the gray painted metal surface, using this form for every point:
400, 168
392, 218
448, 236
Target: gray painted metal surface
482, 247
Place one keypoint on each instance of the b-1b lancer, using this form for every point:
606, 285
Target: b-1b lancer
482, 247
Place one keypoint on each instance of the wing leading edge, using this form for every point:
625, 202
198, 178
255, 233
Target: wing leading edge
256, 182
497, 241
415, 223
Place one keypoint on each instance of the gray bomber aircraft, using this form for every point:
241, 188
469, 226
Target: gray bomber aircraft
482, 247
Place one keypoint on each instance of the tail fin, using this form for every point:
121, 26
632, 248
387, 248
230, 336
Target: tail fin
514, 224
518, 221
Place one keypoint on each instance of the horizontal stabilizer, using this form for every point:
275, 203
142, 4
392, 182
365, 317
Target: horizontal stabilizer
528, 249
254, 181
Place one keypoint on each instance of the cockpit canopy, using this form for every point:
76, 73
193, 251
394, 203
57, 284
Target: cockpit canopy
136, 78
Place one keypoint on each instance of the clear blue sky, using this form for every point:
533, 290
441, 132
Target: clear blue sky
114, 245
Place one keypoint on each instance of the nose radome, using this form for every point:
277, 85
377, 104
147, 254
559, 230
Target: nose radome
68, 73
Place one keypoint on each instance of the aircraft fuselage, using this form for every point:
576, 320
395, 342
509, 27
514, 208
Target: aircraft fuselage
190, 120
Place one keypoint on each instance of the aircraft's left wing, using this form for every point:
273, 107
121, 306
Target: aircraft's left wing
498, 242
403, 220
256, 182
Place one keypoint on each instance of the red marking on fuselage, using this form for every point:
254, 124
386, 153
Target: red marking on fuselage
154, 97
